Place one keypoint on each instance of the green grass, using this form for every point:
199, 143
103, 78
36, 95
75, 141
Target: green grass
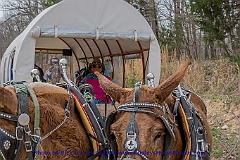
235, 59
217, 150
132, 79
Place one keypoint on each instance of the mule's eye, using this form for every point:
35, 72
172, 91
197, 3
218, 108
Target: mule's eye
158, 136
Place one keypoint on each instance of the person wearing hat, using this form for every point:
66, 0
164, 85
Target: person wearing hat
91, 78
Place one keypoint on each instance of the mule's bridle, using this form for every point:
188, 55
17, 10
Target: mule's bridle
198, 134
132, 144
138, 107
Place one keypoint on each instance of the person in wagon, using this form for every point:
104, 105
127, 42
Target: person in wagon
100, 96
48, 73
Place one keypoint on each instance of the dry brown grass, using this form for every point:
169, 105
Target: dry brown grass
204, 77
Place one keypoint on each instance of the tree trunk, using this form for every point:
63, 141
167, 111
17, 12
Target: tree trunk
178, 25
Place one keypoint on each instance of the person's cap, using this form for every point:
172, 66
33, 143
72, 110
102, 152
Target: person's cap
97, 61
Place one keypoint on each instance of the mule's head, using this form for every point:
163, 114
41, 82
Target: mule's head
152, 131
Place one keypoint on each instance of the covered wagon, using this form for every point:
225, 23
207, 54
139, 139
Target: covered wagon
80, 30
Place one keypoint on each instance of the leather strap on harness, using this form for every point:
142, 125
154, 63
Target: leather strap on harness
197, 131
132, 142
23, 120
136, 92
8, 116
11, 145
93, 123
170, 137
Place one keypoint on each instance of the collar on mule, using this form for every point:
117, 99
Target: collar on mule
93, 123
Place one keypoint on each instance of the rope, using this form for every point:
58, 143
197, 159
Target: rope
36, 111
36, 121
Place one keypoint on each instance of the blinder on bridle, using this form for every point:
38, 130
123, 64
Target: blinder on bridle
8, 142
132, 144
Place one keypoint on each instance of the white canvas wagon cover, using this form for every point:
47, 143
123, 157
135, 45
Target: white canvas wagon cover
89, 28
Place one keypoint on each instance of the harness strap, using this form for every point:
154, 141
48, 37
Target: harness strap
102, 150
203, 134
191, 126
92, 121
8, 116
131, 142
136, 92
202, 145
197, 131
23, 119
99, 153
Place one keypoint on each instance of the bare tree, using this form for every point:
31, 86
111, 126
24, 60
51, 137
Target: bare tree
17, 15
148, 9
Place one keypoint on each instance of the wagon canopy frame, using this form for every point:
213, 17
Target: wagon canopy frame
110, 29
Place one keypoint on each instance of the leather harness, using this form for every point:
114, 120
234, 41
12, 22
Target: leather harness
199, 148
92, 121
11, 146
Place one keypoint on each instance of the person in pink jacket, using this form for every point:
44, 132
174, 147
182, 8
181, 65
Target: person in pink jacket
98, 93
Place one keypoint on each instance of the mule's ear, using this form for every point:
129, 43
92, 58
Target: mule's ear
165, 88
112, 89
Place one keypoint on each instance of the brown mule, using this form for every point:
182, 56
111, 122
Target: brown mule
70, 141
151, 130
